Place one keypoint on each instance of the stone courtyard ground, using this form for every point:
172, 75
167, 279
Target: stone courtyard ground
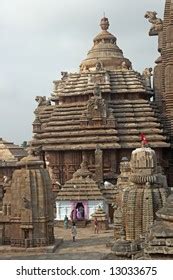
88, 246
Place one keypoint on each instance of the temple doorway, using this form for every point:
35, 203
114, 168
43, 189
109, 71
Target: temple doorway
80, 211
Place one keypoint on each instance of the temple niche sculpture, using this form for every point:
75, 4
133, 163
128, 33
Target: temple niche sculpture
106, 104
26, 218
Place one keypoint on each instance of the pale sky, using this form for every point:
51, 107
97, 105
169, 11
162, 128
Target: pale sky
41, 38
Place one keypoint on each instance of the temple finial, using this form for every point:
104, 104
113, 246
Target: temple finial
104, 24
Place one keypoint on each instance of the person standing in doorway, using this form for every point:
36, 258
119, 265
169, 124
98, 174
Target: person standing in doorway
73, 231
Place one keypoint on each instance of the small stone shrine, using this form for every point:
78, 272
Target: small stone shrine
102, 218
142, 194
80, 196
26, 219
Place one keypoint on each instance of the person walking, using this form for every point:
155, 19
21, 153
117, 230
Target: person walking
96, 226
73, 231
65, 222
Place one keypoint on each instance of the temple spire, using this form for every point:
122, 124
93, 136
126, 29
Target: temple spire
105, 52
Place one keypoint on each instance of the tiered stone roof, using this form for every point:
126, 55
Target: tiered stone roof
134, 117
81, 186
62, 128
109, 193
10, 152
99, 214
123, 111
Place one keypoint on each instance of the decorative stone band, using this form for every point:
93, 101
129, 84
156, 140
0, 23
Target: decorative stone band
143, 179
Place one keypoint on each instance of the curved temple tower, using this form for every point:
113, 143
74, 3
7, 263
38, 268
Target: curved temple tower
141, 195
98, 113
163, 73
26, 219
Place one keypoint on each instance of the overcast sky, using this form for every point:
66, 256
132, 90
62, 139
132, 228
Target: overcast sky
41, 38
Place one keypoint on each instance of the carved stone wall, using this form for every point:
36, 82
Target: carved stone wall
27, 210
142, 191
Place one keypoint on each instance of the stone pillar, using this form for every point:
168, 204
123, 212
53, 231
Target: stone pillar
98, 165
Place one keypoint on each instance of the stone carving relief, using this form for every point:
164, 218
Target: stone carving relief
107, 78
60, 84
124, 66
42, 101
97, 112
97, 78
26, 203
97, 91
64, 75
99, 66
157, 23
96, 106
84, 68
146, 77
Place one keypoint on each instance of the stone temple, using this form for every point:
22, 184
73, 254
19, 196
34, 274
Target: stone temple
105, 107
88, 136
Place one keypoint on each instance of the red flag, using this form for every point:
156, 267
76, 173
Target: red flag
143, 139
